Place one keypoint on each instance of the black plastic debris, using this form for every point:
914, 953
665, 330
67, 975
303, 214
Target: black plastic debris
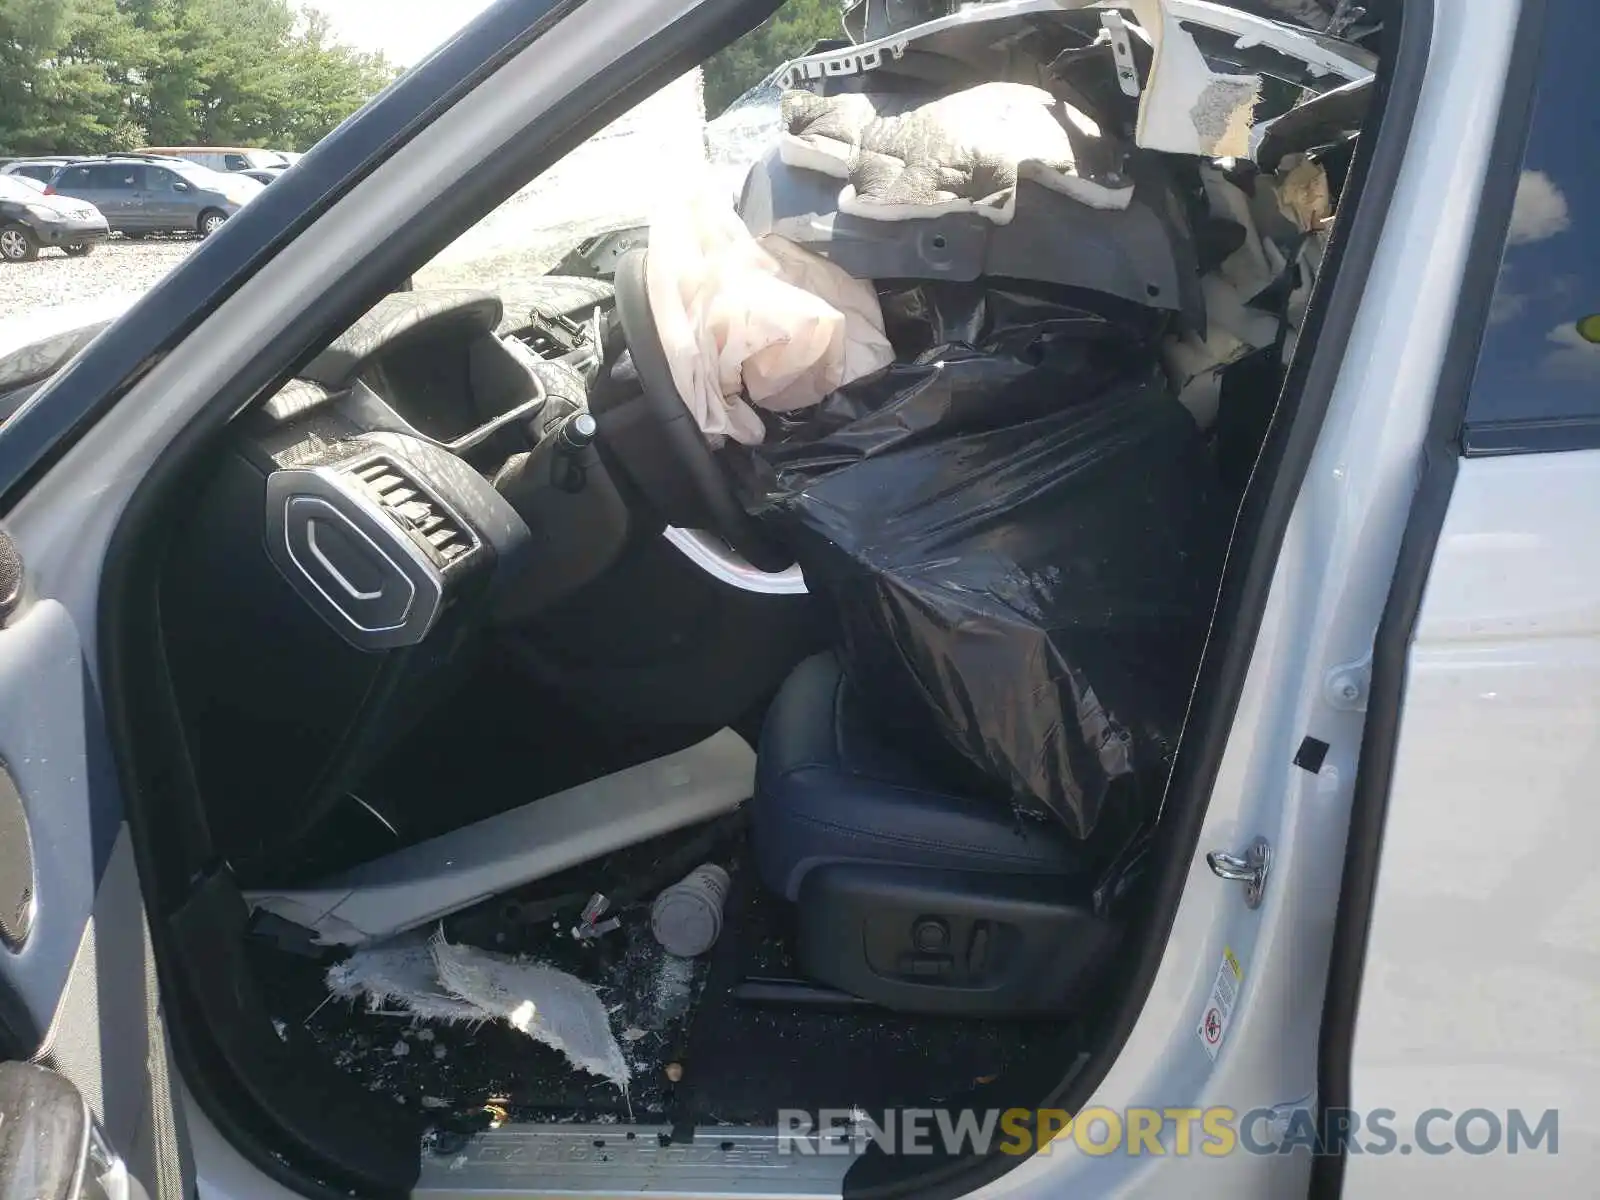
1020, 531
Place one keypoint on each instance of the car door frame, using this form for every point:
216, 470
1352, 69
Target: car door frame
80, 979
196, 384
1451, 439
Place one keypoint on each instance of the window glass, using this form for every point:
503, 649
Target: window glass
235, 162
114, 177
707, 126
1540, 358
76, 177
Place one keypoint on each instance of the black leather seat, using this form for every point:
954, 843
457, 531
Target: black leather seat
832, 789
916, 885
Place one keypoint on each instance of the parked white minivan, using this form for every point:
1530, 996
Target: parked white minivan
223, 158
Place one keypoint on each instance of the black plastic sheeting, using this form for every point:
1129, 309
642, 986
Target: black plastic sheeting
1020, 531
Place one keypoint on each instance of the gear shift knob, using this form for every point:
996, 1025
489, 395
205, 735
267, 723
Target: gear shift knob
577, 432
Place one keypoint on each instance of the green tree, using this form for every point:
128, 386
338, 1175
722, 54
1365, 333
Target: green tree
792, 30
249, 72
69, 71
331, 81
82, 76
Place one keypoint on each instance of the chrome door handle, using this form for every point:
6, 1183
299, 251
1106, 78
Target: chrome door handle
1250, 868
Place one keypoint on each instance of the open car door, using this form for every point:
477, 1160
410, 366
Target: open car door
77, 976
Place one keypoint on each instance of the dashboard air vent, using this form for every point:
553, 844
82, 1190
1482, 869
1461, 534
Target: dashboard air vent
413, 509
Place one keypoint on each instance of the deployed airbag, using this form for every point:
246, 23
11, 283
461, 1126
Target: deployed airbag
765, 320
1021, 536
438, 981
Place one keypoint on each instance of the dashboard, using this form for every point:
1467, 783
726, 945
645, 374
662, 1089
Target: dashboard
429, 477
423, 449
441, 482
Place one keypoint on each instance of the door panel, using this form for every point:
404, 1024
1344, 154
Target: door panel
83, 978
1481, 987
107, 1036
43, 695
1482, 981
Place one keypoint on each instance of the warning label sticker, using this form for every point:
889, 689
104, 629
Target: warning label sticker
1219, 1005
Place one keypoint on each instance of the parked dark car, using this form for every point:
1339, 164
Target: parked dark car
31, 219
143, 194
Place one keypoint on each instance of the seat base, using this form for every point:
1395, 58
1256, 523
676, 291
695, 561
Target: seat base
913, 889
925, 940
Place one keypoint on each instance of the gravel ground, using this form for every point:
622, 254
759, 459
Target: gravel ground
115, 267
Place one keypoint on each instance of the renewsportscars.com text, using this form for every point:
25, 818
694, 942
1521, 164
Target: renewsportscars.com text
1209, 1132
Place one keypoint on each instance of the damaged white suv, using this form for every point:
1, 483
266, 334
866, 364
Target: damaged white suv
867, 648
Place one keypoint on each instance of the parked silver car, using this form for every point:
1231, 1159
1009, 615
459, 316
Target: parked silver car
143, 195
41, 169
31, 220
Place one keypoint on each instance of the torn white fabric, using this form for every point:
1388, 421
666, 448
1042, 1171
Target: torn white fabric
765, 320
1293, 202
548, 1005
438, 981
1195, 365
400, 974
1233, 329
1187, 108
908, 157
1247, 269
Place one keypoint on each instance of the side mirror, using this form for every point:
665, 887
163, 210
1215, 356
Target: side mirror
181, 186
49, 1146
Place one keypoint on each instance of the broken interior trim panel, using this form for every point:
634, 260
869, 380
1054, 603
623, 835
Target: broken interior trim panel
974, 35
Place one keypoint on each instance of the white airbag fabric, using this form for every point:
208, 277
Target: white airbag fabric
438, 981
904, 158
765, 320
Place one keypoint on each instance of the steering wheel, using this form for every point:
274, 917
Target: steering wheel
659, 443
